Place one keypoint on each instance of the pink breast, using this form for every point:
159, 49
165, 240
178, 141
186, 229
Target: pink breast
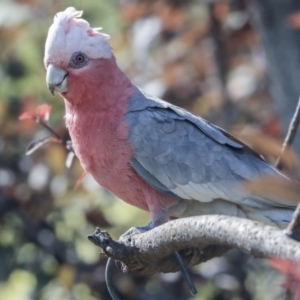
100, 142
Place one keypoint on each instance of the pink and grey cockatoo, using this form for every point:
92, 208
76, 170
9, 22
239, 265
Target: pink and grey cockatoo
151, 154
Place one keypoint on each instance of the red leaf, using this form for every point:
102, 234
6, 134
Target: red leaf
284, 266
43, 111
292, 271
27, 115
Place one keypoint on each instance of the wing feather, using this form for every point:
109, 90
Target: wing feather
181, 154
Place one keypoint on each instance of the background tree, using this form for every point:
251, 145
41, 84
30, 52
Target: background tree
278, 24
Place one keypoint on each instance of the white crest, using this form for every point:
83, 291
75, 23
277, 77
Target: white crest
69, 33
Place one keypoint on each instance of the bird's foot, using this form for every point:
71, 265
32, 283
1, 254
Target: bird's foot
129, 233
141, 229
136, 230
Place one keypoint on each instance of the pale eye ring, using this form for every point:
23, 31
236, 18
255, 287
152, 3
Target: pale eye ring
78, 60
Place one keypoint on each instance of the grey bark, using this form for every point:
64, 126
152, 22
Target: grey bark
198, 239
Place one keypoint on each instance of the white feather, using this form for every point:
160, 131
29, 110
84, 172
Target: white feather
69, 33
207, 192
200, 192
180, 193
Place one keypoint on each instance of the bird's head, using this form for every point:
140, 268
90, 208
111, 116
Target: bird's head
71, 50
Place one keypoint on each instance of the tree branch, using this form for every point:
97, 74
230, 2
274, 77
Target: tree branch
290, 135
198, 239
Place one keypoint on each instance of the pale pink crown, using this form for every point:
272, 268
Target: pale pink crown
69, 33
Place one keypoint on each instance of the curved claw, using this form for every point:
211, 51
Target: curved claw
186, 274
109, 282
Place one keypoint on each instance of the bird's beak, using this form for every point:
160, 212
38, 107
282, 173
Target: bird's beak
56, 79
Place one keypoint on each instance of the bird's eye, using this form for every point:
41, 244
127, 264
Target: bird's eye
78, 60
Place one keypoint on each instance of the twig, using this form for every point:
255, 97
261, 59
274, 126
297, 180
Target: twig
51, 130
293, 230
36, 144
65, 142
290, 135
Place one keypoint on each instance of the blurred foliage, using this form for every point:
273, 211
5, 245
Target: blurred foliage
172, 49
292, 272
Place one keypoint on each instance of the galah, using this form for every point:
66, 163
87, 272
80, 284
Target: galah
151, 154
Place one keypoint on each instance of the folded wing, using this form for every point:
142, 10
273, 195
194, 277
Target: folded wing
183, 155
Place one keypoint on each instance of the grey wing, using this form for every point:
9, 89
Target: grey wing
185, 156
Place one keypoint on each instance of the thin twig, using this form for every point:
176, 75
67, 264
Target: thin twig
67, 143
290, 135
50, 129
293, 230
